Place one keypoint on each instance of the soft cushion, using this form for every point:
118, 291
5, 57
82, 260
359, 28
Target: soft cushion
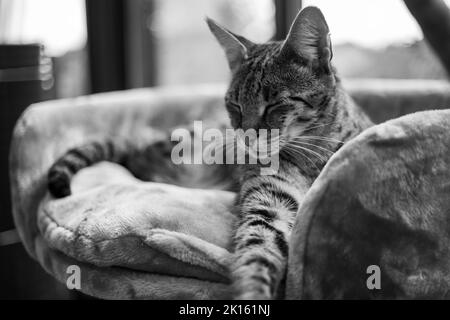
45, 131
383, 200
338, 228
113, 219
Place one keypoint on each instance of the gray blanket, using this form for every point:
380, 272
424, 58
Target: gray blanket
381, 201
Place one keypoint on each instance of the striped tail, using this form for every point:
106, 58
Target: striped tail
62, 171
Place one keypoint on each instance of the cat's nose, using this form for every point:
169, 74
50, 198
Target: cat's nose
249, 122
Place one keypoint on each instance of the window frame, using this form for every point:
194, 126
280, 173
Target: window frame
122, 49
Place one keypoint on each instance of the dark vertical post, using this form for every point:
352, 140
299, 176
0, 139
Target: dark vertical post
285, 12
121, 44
25, 78
140, 53
433, 17
105, 24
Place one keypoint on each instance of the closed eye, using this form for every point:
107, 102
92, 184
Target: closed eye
234, 107
300, 99
303, 119
273, 106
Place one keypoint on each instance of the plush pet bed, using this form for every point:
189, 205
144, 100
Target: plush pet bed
382, 200
114, 220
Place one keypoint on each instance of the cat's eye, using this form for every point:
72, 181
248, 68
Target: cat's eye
277, 109
235, 113
302, 100
234, 106
303, 119
273, 106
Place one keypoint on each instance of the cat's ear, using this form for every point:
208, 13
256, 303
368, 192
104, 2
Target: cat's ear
309, 37
235, 46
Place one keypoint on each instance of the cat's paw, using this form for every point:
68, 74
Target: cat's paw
252, 282
250, 290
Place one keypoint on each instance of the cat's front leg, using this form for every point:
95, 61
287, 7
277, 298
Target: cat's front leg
268, 206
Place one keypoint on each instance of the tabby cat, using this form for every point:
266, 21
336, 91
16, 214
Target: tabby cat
288, 85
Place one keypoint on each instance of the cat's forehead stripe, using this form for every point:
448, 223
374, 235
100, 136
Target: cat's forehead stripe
251, 82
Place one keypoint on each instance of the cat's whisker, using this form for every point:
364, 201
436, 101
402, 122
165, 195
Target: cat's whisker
274, 144
318, 155
313, 145
223, 147
320, 125
324, 138
300, 151
220, 149
293, 152
265, 153
318, 138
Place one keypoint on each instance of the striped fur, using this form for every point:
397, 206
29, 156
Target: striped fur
274, 86
74, 160
149, 162
147, 156
281, 85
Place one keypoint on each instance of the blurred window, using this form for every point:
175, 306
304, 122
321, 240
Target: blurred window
186, 50
60, 25
378, 39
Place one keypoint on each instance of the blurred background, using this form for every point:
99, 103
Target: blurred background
51, 49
